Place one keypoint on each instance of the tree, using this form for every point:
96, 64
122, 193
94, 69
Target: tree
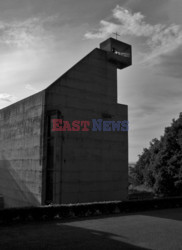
160, 165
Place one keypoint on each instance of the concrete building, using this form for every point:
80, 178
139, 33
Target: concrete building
39, 166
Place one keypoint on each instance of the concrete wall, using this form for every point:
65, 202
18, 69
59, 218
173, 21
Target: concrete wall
21, 152
89, 166
84, 166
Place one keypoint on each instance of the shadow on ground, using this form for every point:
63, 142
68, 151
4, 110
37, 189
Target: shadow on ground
59, 236
159, 229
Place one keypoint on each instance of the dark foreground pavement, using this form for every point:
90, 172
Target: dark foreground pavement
158, 230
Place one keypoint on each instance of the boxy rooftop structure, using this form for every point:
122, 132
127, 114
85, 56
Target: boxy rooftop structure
39, 166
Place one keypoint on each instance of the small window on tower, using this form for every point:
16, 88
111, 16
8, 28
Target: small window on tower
113, 50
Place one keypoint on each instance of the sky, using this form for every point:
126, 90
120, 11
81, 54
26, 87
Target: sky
41, 39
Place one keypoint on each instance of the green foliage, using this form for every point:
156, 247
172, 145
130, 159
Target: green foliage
160, 165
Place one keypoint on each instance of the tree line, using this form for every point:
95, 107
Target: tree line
160, 165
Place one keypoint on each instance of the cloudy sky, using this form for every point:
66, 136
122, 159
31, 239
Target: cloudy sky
41, 39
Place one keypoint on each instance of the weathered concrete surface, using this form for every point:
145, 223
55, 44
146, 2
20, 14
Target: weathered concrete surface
21, 152
93, 165
38, 166
1, 202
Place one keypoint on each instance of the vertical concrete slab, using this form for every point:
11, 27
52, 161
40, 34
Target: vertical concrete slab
21, 158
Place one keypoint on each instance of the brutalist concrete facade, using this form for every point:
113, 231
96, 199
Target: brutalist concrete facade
40, 166
21, 126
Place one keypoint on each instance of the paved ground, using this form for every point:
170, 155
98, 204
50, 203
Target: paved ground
158, 230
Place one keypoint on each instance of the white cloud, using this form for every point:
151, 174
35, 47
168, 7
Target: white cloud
31, 88
4, 97
159, 38
106, 29
26, 34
